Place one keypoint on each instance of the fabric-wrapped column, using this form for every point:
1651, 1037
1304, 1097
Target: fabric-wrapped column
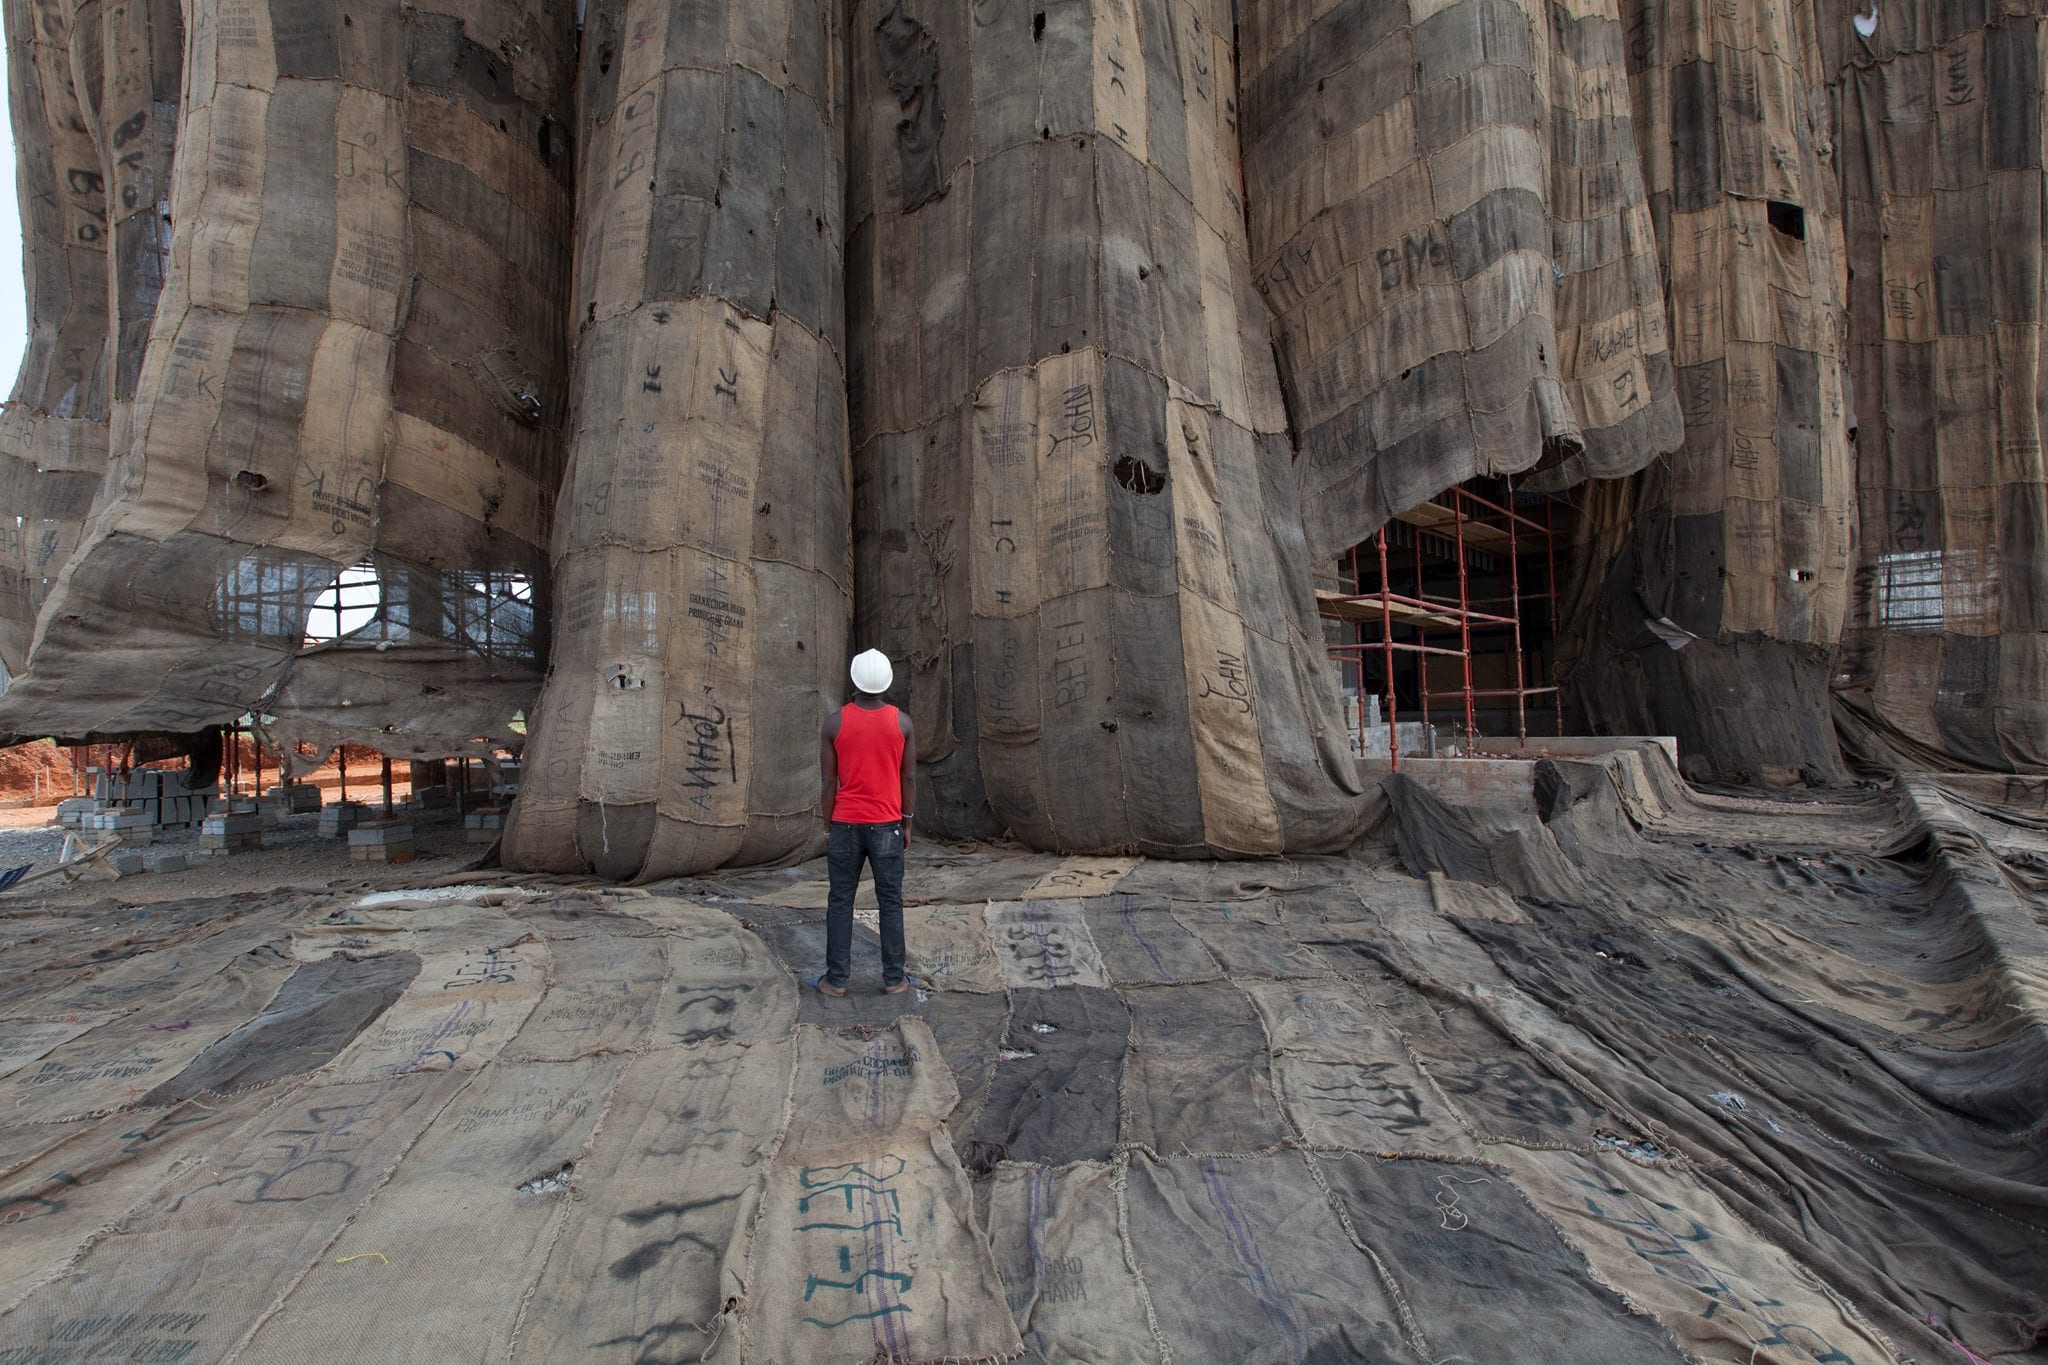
1940, 130
1450, 226
1075, 511
95, 180
353, 365
1741, 541
702, 578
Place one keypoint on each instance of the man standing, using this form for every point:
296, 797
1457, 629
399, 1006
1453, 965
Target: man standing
867, 757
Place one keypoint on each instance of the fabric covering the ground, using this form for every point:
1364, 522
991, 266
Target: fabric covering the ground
1663, 1076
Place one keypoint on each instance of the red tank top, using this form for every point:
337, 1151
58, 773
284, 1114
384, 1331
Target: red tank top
870, 752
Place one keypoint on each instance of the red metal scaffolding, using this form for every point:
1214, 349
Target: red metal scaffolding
1462, 519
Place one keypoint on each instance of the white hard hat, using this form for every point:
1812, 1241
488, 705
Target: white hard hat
871, 672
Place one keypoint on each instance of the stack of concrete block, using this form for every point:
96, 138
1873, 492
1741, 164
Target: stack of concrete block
72, 812
236, 830
272, 810
164, 795
484, 824
183, 808
432, 798
300, 798
382, 841
132, 821
340, 818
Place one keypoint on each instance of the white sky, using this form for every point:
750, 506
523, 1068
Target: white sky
13, 304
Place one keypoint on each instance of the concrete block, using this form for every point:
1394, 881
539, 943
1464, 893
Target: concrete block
125, 863
166, 862
124, 818
484, 824
343, 817
299, 798
379, 833
237, 832
382, 841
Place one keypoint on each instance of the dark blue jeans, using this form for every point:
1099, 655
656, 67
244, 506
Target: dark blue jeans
882, 847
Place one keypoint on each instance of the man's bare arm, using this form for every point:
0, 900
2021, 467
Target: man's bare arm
828, 765
909, 771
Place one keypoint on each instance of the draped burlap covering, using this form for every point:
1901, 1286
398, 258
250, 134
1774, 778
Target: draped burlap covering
1742, 539
1693, 1078
1075, 516
384, 362
1939, 134
356, 358
95, 176
701, 567
1449, 224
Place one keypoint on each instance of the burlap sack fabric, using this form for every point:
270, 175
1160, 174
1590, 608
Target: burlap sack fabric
1075, 513
1449, 220
701, 560
1939, 137
664, 357
1694, 1078
333, 336
1742, 537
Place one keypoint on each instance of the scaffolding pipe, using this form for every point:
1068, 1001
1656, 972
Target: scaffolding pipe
1464, 612
1550, 564
1421, 613
1357, 661
1387, 654
1515, 592
1422, 638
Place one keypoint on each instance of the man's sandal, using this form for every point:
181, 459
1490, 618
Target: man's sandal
824, 987
905, 984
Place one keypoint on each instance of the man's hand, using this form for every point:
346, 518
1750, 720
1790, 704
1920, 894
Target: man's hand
906, 834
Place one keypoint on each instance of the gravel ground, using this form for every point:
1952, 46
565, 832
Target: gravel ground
293, 857
30, 844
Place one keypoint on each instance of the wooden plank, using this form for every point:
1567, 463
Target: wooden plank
1432, 516
1342, 607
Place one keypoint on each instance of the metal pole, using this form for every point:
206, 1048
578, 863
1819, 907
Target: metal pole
1515, 611
1356, 657
341, 759
1464, 609
1550, 560
1421, 635
1387, 652
387, 786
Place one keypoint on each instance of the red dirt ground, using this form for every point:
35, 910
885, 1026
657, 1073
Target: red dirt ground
40, 773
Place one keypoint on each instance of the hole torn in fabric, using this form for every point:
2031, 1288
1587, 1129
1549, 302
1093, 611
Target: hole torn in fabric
1138, 477
554, 1182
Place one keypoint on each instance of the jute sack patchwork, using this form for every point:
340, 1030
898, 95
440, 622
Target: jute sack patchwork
1075, 511
700, 560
